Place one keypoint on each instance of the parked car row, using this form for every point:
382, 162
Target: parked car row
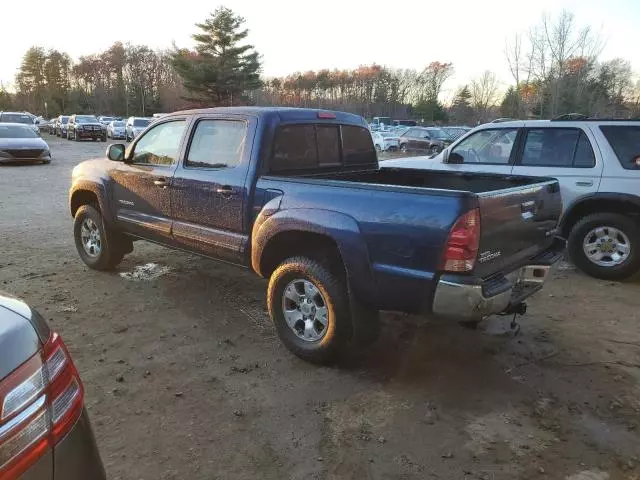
81, 127
412, 138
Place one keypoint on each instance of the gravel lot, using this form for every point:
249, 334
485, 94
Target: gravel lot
185, 378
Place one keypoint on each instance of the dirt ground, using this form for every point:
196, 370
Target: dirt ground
185, 378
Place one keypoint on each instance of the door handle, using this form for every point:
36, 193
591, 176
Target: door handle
160, 182
225, 190
584, 183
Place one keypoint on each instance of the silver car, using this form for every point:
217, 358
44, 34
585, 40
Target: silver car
117, 129
45, 433
135, 126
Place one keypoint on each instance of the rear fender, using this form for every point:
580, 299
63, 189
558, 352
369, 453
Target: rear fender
340, 228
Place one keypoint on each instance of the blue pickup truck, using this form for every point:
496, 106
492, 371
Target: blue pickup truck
298, 196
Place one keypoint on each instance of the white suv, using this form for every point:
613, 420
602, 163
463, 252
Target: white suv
598, 165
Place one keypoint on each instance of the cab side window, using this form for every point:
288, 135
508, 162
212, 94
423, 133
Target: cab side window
160, 145
217, 144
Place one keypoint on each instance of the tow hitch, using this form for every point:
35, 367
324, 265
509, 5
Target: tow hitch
516, 309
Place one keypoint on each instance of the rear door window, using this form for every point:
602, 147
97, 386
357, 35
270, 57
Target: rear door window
357, 146
625, 142
557, 147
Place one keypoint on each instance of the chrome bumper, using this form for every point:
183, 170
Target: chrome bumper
471, 302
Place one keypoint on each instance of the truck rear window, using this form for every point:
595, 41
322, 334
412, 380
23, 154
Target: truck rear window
301, 147
625, 142
357, 146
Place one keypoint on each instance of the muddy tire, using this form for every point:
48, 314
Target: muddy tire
309, 305
97, 245
606, 246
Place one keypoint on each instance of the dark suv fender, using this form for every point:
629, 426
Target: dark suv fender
337, 228
84, 192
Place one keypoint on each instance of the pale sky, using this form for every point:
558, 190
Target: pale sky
302, 35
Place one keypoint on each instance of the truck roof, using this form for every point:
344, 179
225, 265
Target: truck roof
285, 114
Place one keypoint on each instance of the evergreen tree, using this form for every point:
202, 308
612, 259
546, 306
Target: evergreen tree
222, 68
6, 101
461, 111
429, 111
510, 106
31, 79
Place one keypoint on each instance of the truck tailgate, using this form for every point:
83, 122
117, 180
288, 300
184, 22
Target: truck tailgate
516, 224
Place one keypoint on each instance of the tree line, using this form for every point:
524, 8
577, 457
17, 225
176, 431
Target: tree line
555, 68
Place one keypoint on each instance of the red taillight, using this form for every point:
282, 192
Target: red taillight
327, 115
39, 403
462, 245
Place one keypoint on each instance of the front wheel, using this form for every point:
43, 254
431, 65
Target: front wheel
403, 148
434, 150
605, 246
309, 305
97, 245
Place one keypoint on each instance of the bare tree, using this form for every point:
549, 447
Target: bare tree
565, 42
432, 79
513, 52
484, 94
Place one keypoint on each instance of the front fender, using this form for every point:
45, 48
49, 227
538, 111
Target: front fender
339, 227
98, 189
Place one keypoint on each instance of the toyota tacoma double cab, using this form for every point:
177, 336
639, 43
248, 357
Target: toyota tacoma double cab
298, 196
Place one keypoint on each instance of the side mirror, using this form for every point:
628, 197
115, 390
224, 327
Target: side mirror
115, 152
455, 158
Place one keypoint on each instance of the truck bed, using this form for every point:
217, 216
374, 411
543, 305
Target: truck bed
478, 183
518, 215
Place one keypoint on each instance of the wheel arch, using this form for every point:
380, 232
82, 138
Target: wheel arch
599, 203
321, 232
88, 193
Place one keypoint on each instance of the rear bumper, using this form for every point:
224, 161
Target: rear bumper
467, 299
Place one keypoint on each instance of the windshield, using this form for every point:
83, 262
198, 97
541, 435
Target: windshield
141, 122
15, 118
107, 119
86, 119
16, 131
64, 119
118, 124
438, 134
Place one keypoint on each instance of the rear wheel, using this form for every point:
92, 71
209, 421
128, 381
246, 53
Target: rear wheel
434, 149
309, 305
97, 245
403, 148
605, 245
